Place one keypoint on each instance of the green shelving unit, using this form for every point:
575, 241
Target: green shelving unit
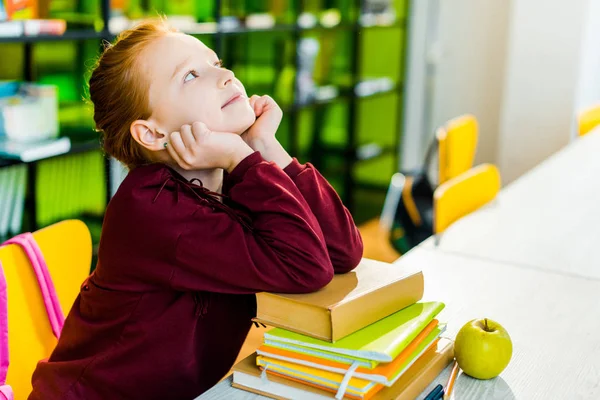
351, 132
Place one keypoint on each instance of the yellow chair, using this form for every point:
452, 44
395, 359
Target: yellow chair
588, 119
67, 249
464, 194
457, 144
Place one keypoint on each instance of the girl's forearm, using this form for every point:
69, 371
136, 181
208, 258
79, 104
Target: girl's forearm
272, 151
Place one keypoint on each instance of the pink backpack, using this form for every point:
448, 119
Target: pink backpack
55, 314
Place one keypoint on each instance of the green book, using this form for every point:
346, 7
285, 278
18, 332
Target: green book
327, 355
312, 373
380, 341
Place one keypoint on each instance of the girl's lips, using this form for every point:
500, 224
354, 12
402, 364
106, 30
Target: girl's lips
233, 99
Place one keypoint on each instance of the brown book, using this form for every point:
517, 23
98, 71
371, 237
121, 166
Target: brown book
247, 376
347, 304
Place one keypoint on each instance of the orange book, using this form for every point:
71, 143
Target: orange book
21, 9
385, 370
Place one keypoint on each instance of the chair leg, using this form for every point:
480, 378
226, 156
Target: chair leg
392, 199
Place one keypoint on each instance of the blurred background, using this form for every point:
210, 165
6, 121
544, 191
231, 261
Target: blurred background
364, 85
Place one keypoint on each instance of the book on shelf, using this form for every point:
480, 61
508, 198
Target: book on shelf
33, 27
350, 302
11, 28
3, 14
33, 151
20, 9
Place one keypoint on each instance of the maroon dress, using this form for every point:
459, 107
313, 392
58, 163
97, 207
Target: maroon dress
170, 303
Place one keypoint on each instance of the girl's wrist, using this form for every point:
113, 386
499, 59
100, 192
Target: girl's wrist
271, 150
239, 153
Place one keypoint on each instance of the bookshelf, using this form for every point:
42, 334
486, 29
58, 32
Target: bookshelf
331, 130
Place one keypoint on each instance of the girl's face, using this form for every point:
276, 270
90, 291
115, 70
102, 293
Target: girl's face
188, 84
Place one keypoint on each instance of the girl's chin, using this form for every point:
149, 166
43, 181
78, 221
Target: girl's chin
245, 122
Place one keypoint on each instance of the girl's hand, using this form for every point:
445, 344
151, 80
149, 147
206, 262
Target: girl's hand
197, 147
268, 117
261, 135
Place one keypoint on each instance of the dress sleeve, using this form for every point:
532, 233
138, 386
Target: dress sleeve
284, 251
343, 240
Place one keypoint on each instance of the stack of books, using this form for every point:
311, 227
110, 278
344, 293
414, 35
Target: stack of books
364, 336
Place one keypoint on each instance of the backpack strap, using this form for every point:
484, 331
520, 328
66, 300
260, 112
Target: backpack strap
5, 390
36, 258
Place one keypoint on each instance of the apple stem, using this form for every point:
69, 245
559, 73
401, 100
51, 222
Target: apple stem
486, 325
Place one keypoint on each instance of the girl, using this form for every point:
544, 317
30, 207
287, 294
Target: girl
212, 211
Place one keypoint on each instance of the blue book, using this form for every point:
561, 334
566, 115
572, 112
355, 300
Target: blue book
3, 15
8, 88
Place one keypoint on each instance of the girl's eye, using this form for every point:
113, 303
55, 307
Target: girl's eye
191, 75
218, 64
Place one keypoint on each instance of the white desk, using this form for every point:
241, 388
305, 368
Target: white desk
553, 320
548, 219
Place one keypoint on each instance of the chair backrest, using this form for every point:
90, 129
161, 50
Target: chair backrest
457, 144
67, 249
464, 194
588, 119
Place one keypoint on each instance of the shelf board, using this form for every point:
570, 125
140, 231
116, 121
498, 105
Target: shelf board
92, 34
315, 103
363, 152
69, 35
244, 29
378, 93
399, 23
344, 93
295, 27
81, 141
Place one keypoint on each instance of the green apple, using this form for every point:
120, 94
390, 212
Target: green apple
482, 348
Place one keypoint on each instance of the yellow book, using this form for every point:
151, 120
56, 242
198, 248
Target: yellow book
320, 377
372, 291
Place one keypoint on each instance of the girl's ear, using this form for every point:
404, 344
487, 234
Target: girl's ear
147, 135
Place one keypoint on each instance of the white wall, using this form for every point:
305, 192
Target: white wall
417, 110
470, 73
522, 67
589, 73
545, 40
455, 67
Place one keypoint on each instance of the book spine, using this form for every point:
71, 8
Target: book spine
36, 27
426, 375
305, 319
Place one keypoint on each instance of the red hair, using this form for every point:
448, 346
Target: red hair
120, 94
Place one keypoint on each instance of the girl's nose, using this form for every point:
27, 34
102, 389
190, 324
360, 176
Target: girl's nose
226, 78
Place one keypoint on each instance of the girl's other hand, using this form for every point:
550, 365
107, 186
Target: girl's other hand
268, 117
261, 135
196, 147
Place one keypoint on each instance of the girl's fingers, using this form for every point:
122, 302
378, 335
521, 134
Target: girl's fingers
187, 137
199, 131
260, 105
176, 149
253, 102
253, 99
